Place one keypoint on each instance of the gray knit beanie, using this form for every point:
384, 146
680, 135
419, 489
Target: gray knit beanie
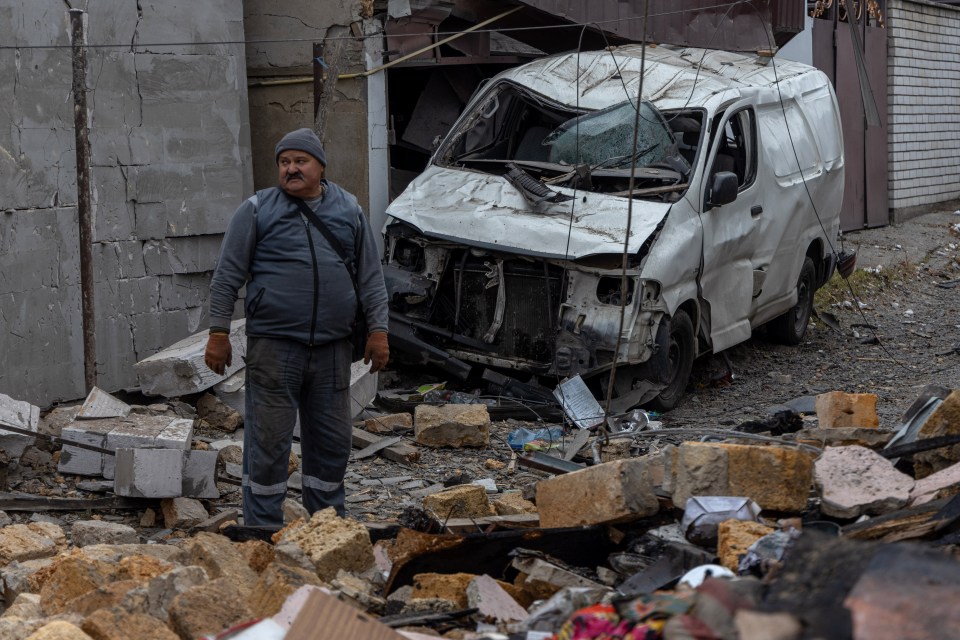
302, 140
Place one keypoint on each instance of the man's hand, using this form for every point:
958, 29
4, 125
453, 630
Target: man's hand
376, 350
219, 353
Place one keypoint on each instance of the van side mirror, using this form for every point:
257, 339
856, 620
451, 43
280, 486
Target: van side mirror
723, 189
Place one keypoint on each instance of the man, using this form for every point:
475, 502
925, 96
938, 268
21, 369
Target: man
300, 308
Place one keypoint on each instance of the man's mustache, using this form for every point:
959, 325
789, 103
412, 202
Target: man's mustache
291, 176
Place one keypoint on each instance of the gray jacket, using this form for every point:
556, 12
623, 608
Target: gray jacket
297, 286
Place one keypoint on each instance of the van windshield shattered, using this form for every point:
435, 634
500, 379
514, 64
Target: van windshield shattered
515, 130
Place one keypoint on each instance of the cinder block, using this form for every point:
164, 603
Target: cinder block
618, 491
200, 474
149, 473
839, 409
452, 425
134, 432
83, 461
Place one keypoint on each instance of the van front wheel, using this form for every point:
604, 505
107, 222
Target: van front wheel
680, 362
792, 326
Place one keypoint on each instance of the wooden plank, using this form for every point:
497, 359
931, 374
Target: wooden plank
374, 448
17, 502
400, 452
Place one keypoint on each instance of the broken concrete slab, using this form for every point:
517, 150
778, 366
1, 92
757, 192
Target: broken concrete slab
199, 474
179, 370
332, 543
84, 462
100, 404
944, 421
463, 501
452, 425
946, 481
839, 409
149, 473
19, 414
608, 493
855, 481
89, 532
718, 469
492, 601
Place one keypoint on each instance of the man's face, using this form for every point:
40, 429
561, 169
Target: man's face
300, 173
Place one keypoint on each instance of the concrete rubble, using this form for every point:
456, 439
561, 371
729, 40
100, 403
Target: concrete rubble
485, 541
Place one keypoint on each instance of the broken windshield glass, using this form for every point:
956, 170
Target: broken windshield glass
605, 138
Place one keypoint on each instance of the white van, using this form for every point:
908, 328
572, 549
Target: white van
506, 253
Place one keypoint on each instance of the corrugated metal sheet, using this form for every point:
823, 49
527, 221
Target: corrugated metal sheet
695, 23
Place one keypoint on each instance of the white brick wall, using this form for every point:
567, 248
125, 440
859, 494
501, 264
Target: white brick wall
923, 76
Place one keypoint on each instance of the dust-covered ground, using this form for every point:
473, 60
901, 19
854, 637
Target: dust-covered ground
893, 328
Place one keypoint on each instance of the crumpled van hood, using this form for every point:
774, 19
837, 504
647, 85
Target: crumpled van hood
484, 210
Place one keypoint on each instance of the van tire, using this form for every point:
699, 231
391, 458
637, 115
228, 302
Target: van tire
682, 349
792, 326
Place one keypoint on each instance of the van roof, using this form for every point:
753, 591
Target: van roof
675, 77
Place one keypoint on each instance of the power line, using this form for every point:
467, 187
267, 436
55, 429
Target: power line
569, 25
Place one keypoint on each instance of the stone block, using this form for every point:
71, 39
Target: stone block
100, 404
513, 503
117, 624
117, 552
177, 435
26, 605
451, 587
19, 578
944, 421
220, 558
88, 532
19, 414
182, 513
158, 594
734, 537
463, 501
180, 370
59, 630
275, 585
839, 409
391, 423
844, 436
200, 474
83, 461
137, 431
149, 473
72, 576
332, 544
363, 387
452, 425
218, 414
259, 554
492, 601
776, 478
855, 481
103, 597
208, 609
619, 491
30, 541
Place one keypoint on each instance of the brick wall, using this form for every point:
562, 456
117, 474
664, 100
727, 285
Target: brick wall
923, 49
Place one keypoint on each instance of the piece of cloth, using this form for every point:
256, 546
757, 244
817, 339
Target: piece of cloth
601, 622
302, 140
297, 287
377, 351
284, 378
218, 354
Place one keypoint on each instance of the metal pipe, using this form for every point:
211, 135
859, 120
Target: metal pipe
85, 217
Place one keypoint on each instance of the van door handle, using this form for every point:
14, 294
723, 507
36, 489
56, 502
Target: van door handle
756, 210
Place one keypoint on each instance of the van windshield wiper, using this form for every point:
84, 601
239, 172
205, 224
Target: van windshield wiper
618, 160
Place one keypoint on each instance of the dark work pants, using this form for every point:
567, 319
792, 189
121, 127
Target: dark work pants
282, 377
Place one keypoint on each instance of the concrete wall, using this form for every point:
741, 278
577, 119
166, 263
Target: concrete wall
923, 45
280, 48
170, 163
